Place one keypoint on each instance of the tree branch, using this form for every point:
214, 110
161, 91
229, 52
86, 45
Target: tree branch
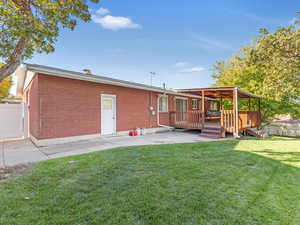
14, 61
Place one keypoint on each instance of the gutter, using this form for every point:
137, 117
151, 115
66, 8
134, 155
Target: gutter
99, 79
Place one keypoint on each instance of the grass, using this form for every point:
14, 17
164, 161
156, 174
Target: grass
218, 183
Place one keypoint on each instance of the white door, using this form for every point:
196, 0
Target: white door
108, 114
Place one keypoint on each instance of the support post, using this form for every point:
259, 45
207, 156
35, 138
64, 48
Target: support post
249, 103
221, 103
236, 113
249, 119
203, 108
259, 111
222, 118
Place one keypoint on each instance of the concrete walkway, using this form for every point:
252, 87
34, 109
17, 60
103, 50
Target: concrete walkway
23, 151
19, 152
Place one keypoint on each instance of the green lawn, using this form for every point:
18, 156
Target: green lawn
229, 183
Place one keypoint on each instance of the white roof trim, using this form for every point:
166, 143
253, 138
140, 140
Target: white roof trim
91, 78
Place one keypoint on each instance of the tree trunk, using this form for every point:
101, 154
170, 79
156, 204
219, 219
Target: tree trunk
14, 60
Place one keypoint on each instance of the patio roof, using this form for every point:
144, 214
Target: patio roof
219, 92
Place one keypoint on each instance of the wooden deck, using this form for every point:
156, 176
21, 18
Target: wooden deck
226, 122
232, 120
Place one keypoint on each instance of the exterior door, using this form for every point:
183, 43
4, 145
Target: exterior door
181, 105
181, 109
108, 114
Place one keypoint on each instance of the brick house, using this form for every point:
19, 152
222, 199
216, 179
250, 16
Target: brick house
67, 106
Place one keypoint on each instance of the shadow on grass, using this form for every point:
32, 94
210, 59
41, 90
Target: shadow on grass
291, 157
216, 183
272, 138
281, 138
269, 152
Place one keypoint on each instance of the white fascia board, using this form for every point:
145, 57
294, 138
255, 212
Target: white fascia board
92, 79
104, 81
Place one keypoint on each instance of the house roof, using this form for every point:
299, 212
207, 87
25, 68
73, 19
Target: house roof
12, 100
34, 68
217, 92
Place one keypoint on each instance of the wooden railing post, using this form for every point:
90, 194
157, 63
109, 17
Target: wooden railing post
203, 108
236, 112
222, 118
222, 124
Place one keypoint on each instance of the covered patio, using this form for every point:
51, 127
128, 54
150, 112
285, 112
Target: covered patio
224, 110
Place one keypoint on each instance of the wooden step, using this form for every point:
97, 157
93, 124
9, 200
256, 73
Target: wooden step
212, 136
254, 132
211, 132
212, 129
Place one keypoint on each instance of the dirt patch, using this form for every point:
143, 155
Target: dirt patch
18, 170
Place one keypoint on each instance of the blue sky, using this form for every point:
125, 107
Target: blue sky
179, 40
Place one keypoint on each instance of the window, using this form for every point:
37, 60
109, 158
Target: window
181, 105
195, 104
214, 106
107, 103
163, 104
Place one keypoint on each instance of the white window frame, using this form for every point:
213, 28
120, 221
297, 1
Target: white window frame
159, 98
185, 99
197, 103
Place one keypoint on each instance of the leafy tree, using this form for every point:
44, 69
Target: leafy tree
270, 68
5, 86
29, 26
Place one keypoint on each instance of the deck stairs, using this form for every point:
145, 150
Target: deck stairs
254, 132
210, 130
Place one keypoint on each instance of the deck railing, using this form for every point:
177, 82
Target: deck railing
227, 120
187, 120
248, 119
194, 120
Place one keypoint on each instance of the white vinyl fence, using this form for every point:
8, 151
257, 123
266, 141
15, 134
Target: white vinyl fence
13, 121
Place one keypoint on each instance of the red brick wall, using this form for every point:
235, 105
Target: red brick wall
68, 107
62, 107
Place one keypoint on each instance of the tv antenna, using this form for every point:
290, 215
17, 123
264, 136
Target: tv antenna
152, 74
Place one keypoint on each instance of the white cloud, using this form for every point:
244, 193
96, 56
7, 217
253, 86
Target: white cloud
103, 11
193, 70
211, 43
206, 43
181, 64
115, 22
261, 19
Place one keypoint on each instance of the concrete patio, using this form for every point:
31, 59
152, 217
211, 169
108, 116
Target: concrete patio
24, 151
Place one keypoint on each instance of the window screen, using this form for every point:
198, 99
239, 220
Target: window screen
195, 104
163, 104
